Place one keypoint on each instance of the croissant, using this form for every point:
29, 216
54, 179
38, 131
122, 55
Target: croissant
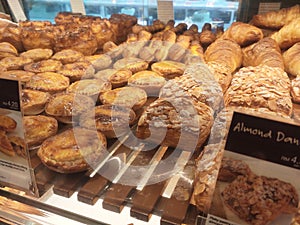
226, 52
288, 35
265, 52
242, 33
291, 58
276, 19
206, 37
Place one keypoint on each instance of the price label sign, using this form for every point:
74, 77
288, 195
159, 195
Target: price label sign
15, 169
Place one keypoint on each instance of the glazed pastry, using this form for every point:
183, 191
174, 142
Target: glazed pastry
39, 128
73, 150
89, 87
168, 69
7, 123
131, 97
78, 70
67, 107
33, 101
291, 58
5, 145
23, 76
15, 62
47, 65
133, 64
66, 56
38, 54
113, 121
49, 82
150, 81
118, 78
276, 19
206, 37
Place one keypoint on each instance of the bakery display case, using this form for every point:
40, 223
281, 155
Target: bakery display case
113, 120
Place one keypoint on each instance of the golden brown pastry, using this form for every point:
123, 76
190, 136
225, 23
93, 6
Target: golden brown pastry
133, 64
49, 82
131, 97
291, 58
7, 49
150, 81
276, 19
73, 150
7, 123
99, 62
5, 145
113, 50
118, 78
34, 101
38, 54
226, 52
113, 121
18, 145
47, 65
288, 35
15, 62
178, 50
67, 56
168, 69
67, 107
264, 52
21, 75
295, 89
38, 128
89, 87
242, 33
78, 70
206, 37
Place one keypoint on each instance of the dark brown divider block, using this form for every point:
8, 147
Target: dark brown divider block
91, 191
44, 179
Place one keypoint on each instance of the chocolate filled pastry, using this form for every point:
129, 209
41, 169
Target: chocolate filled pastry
34, 101
5, 145
89, 87
131, 97
18, 145
118, 78
78, 70
73, 150
15, 62
47, 65
67, 107
168, 69
23, 76
150, 81
7, 123
133, 64
66, 56
113, 121
7, 49
38, 54
49, 82
38, 128
180, 123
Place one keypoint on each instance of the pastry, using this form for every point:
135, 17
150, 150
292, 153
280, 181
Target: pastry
179, 123
49, 82
206, 37
7, 49
34, 101
38, 54
113, 121
5, 145
131, 97
7, 123
150, 81
291, 58
89, 87
276, 19
23, 76
46, 65
15, 62
67, 107
38, 128
168, 69
18, 145
295, 89
258, 200
78, 70
133, 64
66, 56
99, 62
73, 150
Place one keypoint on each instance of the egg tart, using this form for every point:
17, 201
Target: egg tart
66, 56
73, 150
7, 123
33, 101
21, 75
133, 64
15, 62
66, 107
47, 65
38, 54
78, 70
49, 82
38, 128
113, 121
168, 69
5, 145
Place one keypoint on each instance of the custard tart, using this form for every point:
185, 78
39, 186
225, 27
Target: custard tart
133, 64
168, 69
78, 70
73, 150
7, 123
131, 97
47, 65
113, 121
38, 128
48, 81
38, 54
66, 56
34, 101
